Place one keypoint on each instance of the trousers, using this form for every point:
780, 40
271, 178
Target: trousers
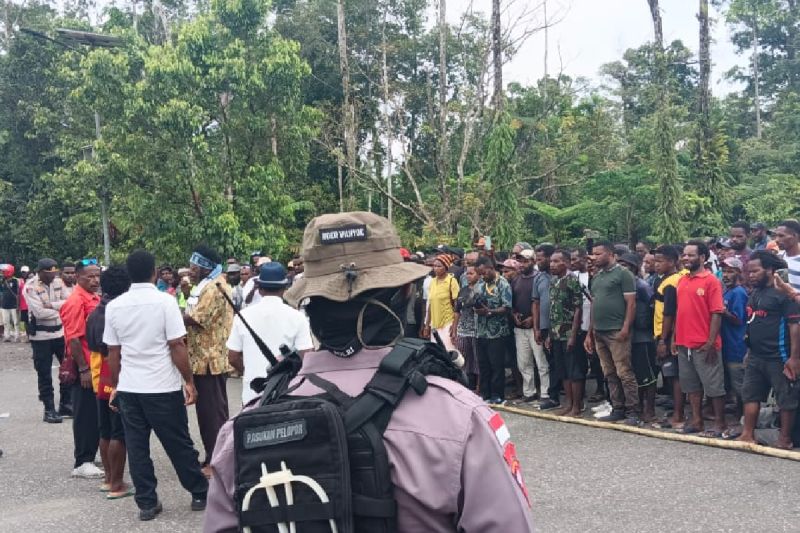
85, 428
165, 414
212, 409
615, 357
491, 361
10, 323
529, 352
43, 352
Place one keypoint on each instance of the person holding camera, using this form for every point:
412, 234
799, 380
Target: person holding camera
492, 329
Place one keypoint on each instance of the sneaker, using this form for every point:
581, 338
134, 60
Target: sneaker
633, 421
199, 503
605, 406
65, 411
88, 471
529, 399
149, 514
548, 403
613, 416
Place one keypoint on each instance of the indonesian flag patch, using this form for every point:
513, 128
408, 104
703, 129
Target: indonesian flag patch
503, 437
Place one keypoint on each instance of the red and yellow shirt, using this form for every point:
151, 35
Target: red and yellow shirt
699, 297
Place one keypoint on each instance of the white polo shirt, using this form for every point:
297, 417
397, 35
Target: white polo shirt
141, 322
247, 289
276, 323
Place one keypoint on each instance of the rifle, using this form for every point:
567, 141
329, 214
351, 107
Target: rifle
259, 341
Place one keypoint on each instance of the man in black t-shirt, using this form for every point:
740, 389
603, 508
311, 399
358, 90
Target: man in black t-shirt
774, 336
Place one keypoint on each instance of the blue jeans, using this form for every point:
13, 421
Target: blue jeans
165, 414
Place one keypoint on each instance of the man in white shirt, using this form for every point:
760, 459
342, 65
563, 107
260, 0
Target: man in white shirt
250, 289
147, 357
273, 321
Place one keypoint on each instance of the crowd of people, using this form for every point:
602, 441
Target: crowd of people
717, 321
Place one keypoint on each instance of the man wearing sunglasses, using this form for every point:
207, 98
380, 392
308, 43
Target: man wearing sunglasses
74, 313
45, 294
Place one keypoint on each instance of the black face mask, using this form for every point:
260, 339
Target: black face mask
372, 320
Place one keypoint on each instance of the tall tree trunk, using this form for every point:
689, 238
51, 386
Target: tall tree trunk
664, 160
546, 55
443, 154
704, 55
348, 111
497, 56
756, 73
388, 132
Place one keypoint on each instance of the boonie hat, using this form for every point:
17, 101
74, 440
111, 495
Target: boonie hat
347, 254
272, 276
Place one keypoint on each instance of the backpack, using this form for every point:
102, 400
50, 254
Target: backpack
318, 463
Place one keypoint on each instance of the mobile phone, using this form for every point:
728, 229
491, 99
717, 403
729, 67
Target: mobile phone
784, 274
487, 243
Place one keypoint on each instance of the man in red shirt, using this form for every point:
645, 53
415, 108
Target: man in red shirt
74, 312
697, 324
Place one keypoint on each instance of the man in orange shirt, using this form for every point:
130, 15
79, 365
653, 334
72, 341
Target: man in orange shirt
74, 312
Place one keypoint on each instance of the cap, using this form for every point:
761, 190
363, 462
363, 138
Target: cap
733, 262
511, 263
25, 269
347, 254
272, 276
631, 259
46, 264
527, 253
724, 243
405, 254
758, 225
263, 261
233, 267
524, 246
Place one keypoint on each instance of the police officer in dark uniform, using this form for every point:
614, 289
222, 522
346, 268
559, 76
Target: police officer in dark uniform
453, 465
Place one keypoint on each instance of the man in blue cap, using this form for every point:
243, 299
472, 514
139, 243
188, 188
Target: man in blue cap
273, 321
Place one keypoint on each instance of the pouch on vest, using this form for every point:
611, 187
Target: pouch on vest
318, 464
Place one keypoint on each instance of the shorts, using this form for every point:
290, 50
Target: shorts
734, 378
698, 376
570, 365
669, 366
761, 375
109, 422
643, 360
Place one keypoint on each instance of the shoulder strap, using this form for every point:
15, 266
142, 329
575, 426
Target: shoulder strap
405, 366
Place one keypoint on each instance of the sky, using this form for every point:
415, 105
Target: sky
593, 32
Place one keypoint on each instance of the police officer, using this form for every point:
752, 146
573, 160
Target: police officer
45, 294
453, 465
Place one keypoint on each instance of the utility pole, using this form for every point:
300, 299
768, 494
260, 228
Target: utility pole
94, 40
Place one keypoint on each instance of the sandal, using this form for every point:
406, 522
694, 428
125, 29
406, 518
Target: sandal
731, 434
688, 430
105, 487
122, 494
710, 434
661, 424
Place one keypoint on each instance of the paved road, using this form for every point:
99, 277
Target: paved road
581, 479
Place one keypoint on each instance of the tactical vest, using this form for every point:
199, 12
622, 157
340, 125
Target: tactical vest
318, 463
